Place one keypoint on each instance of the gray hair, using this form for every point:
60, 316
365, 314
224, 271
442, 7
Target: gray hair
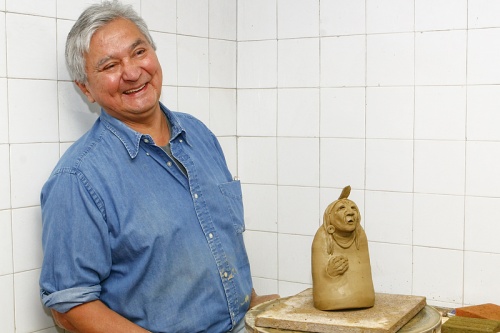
93, 18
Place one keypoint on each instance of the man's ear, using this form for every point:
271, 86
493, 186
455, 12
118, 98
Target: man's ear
83, 88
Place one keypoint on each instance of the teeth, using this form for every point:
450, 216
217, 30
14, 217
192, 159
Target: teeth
134, 90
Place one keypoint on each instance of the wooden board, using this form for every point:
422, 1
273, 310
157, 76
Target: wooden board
297, 313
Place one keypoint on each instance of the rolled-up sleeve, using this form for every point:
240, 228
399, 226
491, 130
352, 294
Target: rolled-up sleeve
77, 255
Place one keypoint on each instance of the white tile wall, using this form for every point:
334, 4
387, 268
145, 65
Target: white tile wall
6, 264
28, 122
339, 17
25, 34
298, 210
291, 106
192, 17
222, 19
437, 274
298, 18
254, 116
397, 99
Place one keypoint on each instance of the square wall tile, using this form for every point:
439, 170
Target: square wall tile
342, 112
440, 57
391, 274
4, 177
228, 145
291, 118
298, 62
440, 167
7, 303
294, 258
298, 210
388, 217
2, 5
262, 251
222, 60
438, 221
287, 288
30, 314
338, 17
222, 19
265, 286
436, 106
298, 18
483, 118
440, 14
36, 160
169, 97
195, 101
27, 238
192, 61
342, 163
298, 161
257, 112
480, 233
390, 59
166, 51
63, 28
483, 163
483, 13
6, 259
384, 16
42, 8
3, 48
430, 263
257, 160
481, 278
389, 112
482, 56
261, 207
389, 165
76, 115
192, 17
160, 16
71, 10
31, 41
257, 64
25, 124
223, 111
4, 113
343, 61
256, 19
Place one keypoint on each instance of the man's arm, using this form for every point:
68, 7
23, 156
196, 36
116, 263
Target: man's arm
95, 317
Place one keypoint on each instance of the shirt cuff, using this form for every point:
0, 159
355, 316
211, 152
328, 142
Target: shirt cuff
64, 300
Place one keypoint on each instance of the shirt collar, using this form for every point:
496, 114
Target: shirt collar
131, 138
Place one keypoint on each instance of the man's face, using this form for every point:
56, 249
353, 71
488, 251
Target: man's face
345, 216
123, 73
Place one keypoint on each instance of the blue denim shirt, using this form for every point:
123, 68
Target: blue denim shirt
123, 224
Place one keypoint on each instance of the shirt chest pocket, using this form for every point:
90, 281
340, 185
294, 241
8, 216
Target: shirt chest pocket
233, 201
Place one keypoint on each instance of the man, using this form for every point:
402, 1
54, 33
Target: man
142, 221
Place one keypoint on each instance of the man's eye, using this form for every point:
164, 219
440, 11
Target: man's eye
139, 52
107, 67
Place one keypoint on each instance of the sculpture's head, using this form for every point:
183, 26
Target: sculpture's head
341, 217
341, 222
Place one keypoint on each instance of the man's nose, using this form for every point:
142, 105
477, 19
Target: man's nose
131, 71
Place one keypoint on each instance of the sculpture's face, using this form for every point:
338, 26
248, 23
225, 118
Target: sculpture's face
345, 216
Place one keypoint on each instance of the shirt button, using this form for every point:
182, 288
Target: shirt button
196, 195
146, 140
147, 154
210, 235
180, 140
225, 274
169, 163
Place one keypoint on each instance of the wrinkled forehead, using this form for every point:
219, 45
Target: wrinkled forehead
342, 202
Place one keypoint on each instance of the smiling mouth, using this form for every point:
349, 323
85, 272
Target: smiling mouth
131, 91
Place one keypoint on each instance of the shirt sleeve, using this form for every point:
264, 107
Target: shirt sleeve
77, 254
